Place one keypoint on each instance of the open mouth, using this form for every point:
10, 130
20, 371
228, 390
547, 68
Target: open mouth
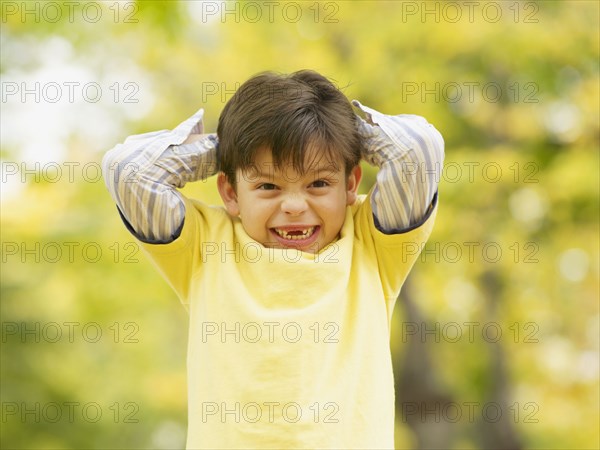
296, 235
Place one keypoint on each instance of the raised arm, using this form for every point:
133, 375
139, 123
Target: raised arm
409, 152
143, 174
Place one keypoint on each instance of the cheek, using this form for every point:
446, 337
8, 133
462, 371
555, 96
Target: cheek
254, 215
335, 210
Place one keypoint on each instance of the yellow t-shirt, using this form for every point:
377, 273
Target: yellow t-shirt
288, 349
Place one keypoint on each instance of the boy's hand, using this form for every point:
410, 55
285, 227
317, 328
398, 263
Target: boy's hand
374, 139
200, 142
369, 134
196, 137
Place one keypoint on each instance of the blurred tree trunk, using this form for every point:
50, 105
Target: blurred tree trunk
496, 432
420, 396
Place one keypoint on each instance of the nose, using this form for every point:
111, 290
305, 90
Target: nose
294, 204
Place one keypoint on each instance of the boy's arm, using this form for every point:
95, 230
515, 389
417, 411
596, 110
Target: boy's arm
409, 153
142, 175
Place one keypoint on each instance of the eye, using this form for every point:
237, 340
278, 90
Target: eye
319, 184
267, 187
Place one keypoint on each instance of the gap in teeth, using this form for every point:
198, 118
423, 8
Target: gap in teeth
295, 237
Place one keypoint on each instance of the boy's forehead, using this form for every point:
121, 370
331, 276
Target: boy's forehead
314, 161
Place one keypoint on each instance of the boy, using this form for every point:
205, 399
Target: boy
290, 287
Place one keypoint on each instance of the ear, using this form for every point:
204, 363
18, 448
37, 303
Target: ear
228, 194
352, 184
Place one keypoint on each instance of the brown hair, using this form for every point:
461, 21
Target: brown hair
289, 114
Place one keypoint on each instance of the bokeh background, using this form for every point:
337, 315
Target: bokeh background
495, 337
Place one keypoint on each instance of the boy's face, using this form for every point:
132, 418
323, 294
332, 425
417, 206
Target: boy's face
280, 208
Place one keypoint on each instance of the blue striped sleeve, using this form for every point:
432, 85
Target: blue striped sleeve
409, 153
143, 174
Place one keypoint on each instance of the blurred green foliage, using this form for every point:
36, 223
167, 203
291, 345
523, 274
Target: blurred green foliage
517, 100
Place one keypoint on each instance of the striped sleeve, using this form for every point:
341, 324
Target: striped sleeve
409, 152
143, 173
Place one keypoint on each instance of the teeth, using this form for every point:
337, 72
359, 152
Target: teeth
296, 237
